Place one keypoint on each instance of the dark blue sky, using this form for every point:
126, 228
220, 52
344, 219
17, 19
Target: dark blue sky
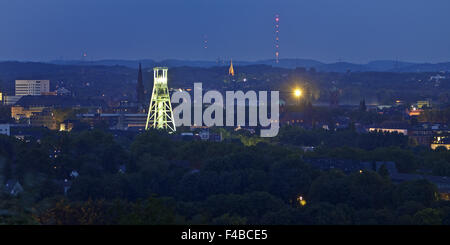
326, 30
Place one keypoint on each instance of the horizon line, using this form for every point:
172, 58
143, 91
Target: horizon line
215, 61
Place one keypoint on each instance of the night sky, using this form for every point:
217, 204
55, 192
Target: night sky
325, 30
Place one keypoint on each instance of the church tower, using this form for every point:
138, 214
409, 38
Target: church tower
140, 87
231, 70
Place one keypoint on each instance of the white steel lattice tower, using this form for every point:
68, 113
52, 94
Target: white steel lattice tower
160, 114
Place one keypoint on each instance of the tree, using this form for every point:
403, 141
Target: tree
228, 219
330, 187
421, 191
323, 213
251, 206
441, 168
151, 211
5, 114
383, 171
428, 216
409, 208
86, 213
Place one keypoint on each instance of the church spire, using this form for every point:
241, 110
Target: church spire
231, 70
140, 87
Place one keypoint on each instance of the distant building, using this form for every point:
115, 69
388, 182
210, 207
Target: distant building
441, 141
120, 121
437, 77
122, 168
58, 92
45, 118
11, 100
29, 105
399, 102
27, 87
422, 135
342, 122
390, 130
126, 106
414, 112
13, 187
391, 127
382, 107
74, 174
308, 148
19, 112
135, 120
27, 132
1, 97
32, 87
427, 133
423, 104
66, 126
204, 134
442, 182
49, 93
5, 129
63, 92
214, 137
293, 118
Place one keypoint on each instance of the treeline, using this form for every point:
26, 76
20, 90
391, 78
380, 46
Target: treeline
348, 137
153, 179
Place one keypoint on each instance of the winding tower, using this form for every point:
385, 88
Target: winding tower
160, 115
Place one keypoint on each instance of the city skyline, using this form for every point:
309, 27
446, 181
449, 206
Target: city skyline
352, 31
224, 120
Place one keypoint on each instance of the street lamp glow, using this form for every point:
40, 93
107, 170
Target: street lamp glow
301, 201
297, 93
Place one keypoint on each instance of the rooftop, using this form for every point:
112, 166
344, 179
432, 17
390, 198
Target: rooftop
57, 101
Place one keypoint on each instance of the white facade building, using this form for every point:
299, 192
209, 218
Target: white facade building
32, 87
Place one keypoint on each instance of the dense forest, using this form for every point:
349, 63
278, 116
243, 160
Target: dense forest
153, 178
